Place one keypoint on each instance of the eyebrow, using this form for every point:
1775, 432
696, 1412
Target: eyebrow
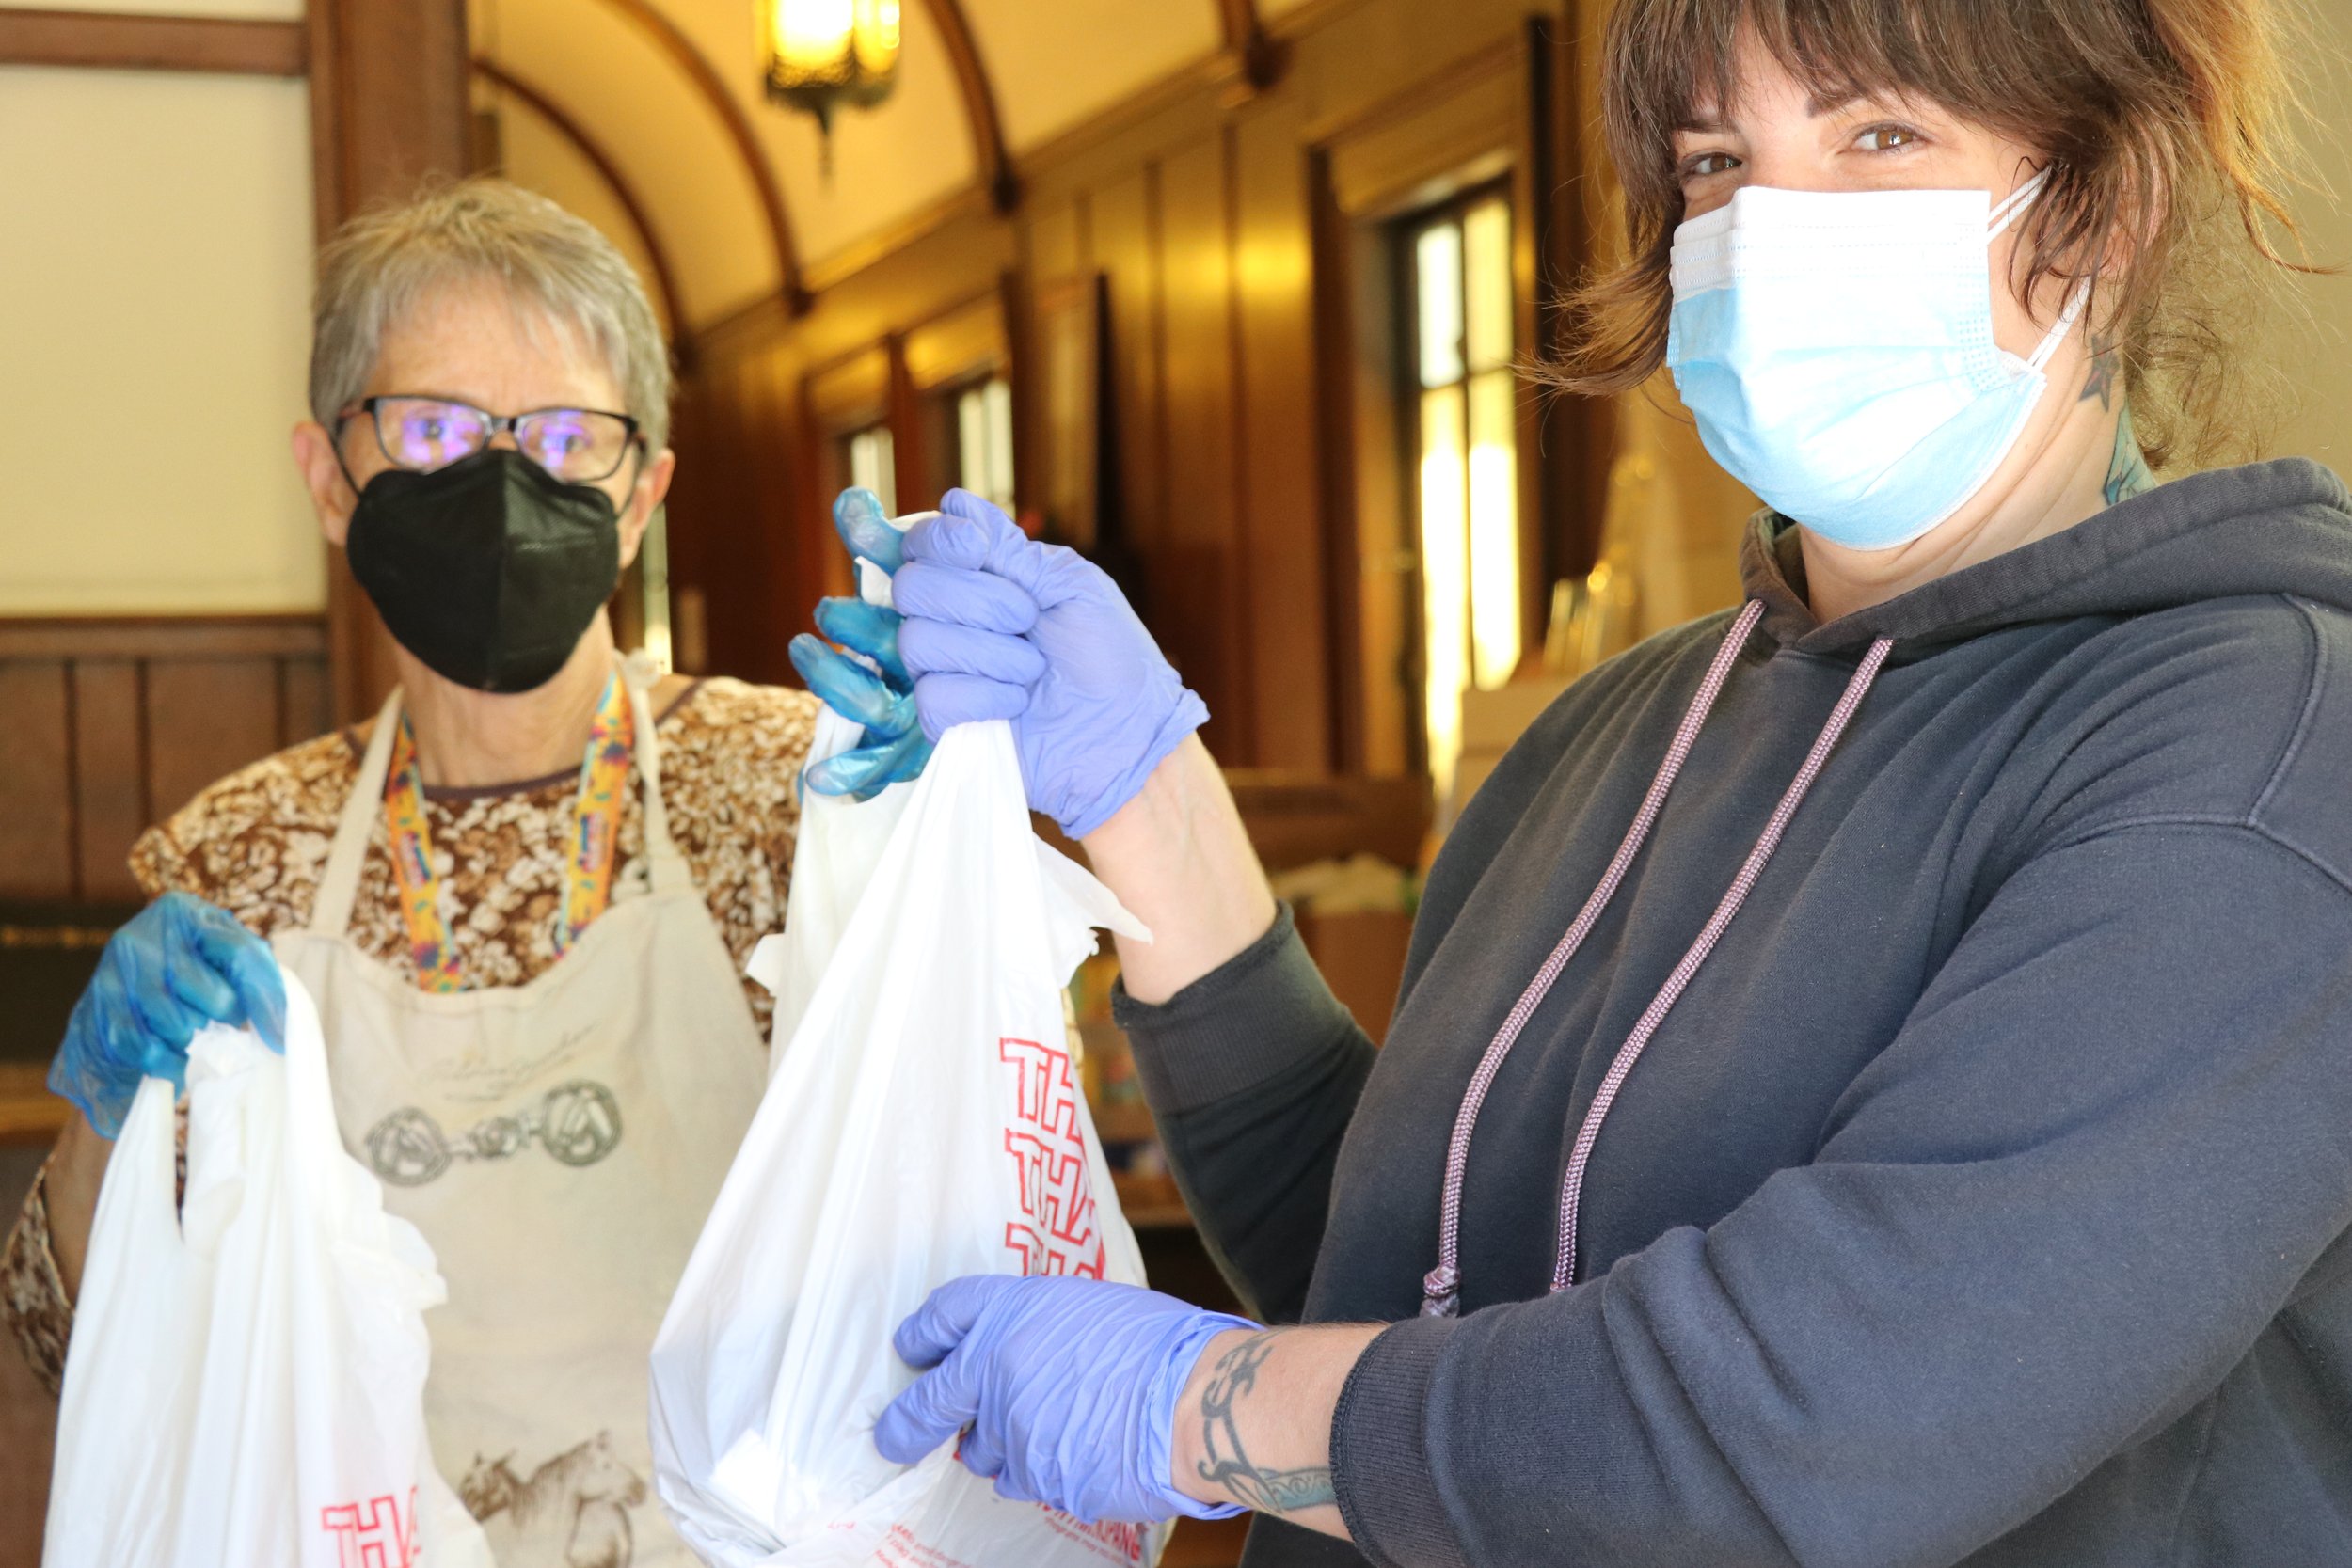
1817, 105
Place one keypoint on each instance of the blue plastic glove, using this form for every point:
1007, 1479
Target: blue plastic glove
878, 696
1000, 626
178, 965
1068, 1388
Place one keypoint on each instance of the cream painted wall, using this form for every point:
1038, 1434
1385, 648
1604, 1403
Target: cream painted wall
155, 329
2313, 351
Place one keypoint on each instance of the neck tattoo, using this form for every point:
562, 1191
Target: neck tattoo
2127, 468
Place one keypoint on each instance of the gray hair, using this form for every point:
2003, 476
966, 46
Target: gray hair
382, 263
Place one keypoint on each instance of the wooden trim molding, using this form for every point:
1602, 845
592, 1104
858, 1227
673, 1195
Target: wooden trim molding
563, 125
288, 635
106, 42
699, 71
996, 176
1255, 57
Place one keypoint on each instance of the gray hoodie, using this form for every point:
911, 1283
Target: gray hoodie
1982, 1197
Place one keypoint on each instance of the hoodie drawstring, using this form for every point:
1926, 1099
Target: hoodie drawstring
1441, 1286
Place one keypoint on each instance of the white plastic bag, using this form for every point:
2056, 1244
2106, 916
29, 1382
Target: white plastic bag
245, 1381
926, 1122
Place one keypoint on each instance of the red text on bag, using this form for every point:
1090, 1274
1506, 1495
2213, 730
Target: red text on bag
380, 1532
1056, 1233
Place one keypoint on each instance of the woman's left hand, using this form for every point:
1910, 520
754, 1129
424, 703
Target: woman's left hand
1068, 1388
1109, 1401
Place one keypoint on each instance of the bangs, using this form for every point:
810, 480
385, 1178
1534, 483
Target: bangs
1676, 63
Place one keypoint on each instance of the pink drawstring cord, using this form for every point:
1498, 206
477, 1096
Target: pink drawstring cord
1440, 1287
1572, 1189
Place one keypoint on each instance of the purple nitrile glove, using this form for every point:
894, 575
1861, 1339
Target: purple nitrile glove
999, 626
1068, 1388
178, 965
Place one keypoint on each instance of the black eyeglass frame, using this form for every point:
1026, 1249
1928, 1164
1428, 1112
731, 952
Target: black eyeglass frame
501, 425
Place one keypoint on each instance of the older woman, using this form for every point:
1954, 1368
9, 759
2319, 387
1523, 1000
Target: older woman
1873, 1081
521, 897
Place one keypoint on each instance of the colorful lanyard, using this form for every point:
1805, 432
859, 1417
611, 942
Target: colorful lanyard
595, 834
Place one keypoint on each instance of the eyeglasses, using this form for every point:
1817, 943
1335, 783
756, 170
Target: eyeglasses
578, 446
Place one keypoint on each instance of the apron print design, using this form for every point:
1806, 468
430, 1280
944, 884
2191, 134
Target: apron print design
578, 1123
571, 1512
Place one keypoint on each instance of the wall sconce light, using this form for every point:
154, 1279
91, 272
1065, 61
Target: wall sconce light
824, 53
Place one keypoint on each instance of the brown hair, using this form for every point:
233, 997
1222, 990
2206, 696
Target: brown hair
2161, 117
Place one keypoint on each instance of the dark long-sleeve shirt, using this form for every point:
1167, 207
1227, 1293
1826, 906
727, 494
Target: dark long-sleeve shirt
1983, 1201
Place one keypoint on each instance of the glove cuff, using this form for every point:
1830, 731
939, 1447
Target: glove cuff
1168, 1387
1188, 715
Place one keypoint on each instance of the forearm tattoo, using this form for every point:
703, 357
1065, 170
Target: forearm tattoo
1228, 1465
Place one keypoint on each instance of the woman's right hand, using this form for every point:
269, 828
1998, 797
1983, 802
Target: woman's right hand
997, 625
180, 964
1000, 626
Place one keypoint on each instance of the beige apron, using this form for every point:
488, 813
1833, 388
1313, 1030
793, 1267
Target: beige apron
559, 1144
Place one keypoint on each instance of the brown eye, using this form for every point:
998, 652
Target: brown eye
1707, 164
1886, 138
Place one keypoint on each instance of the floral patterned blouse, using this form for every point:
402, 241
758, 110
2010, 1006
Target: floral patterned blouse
256, 845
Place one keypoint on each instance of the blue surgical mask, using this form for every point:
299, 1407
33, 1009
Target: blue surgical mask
1836, 348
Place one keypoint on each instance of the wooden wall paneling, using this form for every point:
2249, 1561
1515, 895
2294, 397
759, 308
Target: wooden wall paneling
959, 343
1278, 431
1579, 433
1457, 129
754, 597
1335, 289
1199, 589
703, 496
913, 451
964, 344
110, 767
813, 563
92, 766
107, 41
1382, 576
37, 825
389, 106
206, 718
1131, 485
1534, 249
1256, 57
306, 705
1056, 245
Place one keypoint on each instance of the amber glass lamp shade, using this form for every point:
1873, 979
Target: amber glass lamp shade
823, 53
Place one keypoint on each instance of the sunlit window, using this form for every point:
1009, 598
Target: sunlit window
984, 440
1468, 463
873, 460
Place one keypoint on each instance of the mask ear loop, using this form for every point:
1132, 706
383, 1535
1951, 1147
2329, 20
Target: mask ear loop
2040, 358
2005, 214
2005, 211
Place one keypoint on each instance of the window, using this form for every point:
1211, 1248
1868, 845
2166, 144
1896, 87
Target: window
873, 464
984, 440
1463, 418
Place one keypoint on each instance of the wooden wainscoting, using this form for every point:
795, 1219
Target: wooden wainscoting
116, 723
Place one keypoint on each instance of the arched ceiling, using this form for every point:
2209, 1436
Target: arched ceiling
647, 116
